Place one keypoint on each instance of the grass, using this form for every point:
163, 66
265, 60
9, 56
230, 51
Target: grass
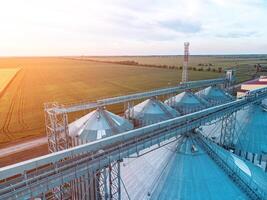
244, 64
6, 75
65, 80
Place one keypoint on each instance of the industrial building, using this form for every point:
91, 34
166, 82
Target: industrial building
252, 85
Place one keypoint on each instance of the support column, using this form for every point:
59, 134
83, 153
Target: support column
228, 131
108, 182
114, 181
56, 128
56, 124
128, 110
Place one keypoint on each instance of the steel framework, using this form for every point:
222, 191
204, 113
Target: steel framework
56, 128
185, 65
228, 131
37, 176
108, 182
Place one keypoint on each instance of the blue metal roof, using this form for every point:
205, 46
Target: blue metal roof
195, 176
178, 171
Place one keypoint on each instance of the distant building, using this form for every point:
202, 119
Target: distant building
252, 85
261, 68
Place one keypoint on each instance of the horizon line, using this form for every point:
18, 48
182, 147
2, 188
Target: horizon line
134, 55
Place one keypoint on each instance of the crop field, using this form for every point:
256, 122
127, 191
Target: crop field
6, 76
65, 80
243, 64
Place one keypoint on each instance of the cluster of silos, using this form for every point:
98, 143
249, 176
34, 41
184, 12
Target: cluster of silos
101, 123
151, 111
214, 95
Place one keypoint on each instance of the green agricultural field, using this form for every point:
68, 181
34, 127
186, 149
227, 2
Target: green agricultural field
67, 80
243, 64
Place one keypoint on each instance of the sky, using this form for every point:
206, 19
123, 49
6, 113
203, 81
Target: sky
132, 27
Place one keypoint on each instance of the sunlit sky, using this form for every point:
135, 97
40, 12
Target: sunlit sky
132, 27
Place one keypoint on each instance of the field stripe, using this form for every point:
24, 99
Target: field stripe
5, 127
2, 91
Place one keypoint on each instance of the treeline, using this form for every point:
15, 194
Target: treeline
131, 62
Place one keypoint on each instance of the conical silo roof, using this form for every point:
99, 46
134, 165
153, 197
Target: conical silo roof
214, 95
181, 170
186, 102
151, 111
98, 124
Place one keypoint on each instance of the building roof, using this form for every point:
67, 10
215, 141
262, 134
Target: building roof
98, 124
259, 81
177, 171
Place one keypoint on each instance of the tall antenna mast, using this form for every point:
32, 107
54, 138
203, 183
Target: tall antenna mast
185, 66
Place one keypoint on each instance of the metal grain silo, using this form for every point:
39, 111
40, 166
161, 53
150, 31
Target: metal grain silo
151, 111
97, 124
214, 95
186, 102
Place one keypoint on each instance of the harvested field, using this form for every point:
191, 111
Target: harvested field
6, 76
64, 80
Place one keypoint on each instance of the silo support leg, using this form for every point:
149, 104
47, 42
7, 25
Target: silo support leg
108, 182
228, 131
114, 180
